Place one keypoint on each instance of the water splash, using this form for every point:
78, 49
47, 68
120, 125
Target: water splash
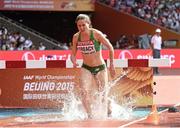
122, 112
74, 110
114, 82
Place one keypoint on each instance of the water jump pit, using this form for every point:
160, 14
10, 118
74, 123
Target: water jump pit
48, 94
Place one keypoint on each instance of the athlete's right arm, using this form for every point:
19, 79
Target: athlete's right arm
74, 51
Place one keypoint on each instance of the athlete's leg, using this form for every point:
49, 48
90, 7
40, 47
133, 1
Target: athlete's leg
102, 87
86, 90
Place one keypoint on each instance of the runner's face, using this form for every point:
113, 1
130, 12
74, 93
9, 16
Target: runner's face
82, 25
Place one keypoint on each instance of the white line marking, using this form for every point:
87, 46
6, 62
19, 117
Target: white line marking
135, 121
132, 122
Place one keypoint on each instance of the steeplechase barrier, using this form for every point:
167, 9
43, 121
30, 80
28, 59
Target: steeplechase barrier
119, 63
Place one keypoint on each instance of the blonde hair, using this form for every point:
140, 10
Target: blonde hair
83, 17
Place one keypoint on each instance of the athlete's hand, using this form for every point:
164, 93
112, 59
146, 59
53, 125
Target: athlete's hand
74, 62
112, 70
75, 65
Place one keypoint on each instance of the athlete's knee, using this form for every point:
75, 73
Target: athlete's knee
85, 93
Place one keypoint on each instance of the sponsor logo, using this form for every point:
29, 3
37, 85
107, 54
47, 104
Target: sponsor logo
28, 77
28, 56
125, 54
171, 58
55, 57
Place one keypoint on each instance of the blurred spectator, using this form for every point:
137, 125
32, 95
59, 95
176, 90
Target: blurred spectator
16, 41
21, 47
133, 42
117, 46
41, 46
33, 47
21, 40
27, 44
144, 41
127, 42
64, 46
12, 46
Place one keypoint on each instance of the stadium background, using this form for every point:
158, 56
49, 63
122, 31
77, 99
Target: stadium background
42, 30
51, 22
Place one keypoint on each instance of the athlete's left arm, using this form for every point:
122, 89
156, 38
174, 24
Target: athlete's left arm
102, 38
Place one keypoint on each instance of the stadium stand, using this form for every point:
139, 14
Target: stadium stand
23, 37
128, 26
16, 36
165, 13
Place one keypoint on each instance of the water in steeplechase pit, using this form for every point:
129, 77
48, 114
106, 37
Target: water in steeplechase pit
74, 110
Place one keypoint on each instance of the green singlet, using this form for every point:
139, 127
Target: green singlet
89, 46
